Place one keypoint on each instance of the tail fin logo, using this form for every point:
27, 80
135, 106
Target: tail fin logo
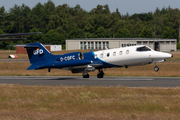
38, 51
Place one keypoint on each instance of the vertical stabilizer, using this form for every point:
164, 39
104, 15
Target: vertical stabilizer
38, 53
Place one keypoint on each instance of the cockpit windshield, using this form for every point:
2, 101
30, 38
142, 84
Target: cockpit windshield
144, 48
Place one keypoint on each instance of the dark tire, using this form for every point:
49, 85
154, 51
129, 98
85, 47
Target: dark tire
86, 76
156, 68
99, 75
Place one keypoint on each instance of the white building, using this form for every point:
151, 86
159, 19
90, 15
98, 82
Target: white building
102, 43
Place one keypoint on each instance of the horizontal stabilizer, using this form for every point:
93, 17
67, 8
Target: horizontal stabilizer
33, 67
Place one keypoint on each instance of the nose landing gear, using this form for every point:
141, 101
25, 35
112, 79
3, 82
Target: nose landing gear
156, 68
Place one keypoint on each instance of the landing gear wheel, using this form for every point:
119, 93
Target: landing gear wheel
156, 68
100, 74
86, 76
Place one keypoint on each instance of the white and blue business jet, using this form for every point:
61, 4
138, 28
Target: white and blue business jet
77, 62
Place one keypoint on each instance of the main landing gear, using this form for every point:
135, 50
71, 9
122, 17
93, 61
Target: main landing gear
85, 75
100, 74
156, 68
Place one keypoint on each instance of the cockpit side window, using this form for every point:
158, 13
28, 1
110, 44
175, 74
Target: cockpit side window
144, 48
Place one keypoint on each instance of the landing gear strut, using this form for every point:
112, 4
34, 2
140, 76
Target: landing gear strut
100, 74
156, 68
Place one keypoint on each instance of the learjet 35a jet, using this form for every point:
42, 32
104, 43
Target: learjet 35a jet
77, 62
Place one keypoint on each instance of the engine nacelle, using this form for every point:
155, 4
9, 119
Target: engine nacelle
80, 70
70, 56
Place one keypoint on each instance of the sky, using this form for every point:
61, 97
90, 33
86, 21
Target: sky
124, 6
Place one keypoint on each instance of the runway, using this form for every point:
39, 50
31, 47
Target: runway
92, 81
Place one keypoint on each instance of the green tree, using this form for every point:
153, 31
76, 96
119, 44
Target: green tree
37, 17
100, 9
3, 45
123, 33
100, 33
52, 37
157, 24
137, 28
115, 17
170, 33
146, 33
2, 13
33, 38
142, 16
76, 33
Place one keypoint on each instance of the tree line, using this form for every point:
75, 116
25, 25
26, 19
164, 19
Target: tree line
62, 22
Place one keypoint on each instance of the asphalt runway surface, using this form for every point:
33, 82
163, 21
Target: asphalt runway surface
92, 81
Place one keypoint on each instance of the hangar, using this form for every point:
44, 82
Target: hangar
102, 43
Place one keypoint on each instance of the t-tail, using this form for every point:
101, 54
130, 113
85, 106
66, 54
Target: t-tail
37, 53
41, 58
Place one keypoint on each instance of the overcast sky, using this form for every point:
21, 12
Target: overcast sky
124, 6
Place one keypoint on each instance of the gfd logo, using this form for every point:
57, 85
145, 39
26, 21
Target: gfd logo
38, 51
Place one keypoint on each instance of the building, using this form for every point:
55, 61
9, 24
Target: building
102, 43
21, 50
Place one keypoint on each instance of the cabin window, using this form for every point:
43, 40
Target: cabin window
127, 51
120, 53
108, 54
143, 49
114, 53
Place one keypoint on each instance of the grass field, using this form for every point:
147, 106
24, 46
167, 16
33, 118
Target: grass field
84, 102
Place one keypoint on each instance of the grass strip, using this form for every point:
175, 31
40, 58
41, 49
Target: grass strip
85, 102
